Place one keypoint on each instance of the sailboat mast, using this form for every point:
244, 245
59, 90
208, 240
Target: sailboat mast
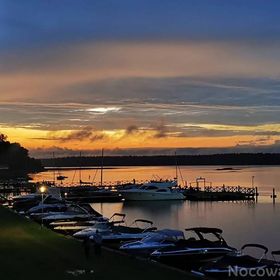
176, 166
80, 169
54, 169
101, 175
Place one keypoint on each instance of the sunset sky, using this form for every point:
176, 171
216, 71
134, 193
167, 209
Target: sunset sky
148, 76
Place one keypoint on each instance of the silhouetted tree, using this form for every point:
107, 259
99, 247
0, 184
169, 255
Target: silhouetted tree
16, 159
3, 137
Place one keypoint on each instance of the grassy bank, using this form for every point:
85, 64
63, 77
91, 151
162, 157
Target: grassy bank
29, 252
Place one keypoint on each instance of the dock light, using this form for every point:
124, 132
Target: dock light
42, 190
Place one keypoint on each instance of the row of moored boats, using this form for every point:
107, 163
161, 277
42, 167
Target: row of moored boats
200, 250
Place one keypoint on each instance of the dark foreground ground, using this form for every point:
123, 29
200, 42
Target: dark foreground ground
29, 252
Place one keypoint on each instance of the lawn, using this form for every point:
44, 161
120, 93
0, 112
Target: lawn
29, 252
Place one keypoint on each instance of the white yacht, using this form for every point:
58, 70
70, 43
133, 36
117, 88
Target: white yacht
154, 190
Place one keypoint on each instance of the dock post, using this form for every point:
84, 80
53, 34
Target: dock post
256, 193
274, 196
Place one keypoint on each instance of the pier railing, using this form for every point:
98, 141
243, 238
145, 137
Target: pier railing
231, 189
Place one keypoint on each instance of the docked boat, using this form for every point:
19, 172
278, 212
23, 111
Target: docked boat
26, 202
153, 241
154, 190
115, 232
73, 213
203, 245
44, 207
122, 233
87, 226
238, 265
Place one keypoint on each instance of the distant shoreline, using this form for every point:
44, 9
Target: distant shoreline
188, 160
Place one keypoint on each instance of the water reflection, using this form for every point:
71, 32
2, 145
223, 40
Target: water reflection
157, 211
265, 177
242, 222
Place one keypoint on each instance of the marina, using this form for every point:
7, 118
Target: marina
139, 140
162, 222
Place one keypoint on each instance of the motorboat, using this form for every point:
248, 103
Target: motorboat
203, 245
238, 265
122, 233
115, 231
25, 202
154, 190
87, 227
45, 207
153, 241
74, 212
89, 194
71, 227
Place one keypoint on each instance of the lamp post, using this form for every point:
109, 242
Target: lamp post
42, 191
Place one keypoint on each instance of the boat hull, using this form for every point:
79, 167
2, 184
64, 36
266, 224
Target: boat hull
189, 259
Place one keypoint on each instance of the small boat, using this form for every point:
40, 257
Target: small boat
238, 266
73, 213
153, 241
154, 190
86, 226
204, 245
122, 233
25, 202
115, 232
44, 207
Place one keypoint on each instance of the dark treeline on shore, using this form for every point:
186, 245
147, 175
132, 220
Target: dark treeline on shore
15, 161
217, 159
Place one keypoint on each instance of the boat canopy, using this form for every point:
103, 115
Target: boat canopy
205, 230
143, 221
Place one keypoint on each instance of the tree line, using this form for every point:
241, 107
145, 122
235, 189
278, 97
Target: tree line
215, 159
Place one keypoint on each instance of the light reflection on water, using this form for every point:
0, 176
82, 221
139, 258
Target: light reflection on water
265, 177
242, 222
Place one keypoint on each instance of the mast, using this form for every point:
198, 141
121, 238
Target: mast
54, 169
101, 169
176, 166
80, 169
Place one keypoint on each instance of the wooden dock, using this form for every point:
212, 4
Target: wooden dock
223, 193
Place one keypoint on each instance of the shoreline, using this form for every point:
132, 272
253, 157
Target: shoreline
32, 252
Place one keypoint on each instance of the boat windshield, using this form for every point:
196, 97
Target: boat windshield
210, 234
76, 209
163, 235
153, 238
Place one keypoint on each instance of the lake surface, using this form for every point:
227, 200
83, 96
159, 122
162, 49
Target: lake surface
242, 222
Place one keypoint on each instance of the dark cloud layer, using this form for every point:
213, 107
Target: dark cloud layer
32, 22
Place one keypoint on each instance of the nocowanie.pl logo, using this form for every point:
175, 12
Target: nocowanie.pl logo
260, 272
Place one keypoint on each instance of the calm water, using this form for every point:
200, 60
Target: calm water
242, 222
